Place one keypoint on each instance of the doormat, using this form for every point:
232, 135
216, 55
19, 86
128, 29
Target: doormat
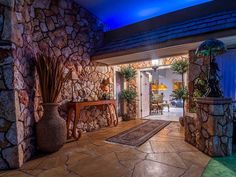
138, 135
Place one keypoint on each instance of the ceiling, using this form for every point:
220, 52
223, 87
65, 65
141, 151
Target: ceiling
119, 13
160, 53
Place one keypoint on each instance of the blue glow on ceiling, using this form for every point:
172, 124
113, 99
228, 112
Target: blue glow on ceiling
119, 13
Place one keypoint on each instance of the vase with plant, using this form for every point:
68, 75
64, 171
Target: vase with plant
128, 96
51, 128
180, 67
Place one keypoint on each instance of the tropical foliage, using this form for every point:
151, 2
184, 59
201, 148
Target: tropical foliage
128, 72
128, 95
51, 72
211, 48
180, 66
181, 93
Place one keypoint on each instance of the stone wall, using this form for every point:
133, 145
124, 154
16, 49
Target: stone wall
197, 70
57, 28
211, 130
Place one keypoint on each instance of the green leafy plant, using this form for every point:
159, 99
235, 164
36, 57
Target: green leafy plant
52, 76
129, 95
180, 67
128, 73
181, 93
210, 49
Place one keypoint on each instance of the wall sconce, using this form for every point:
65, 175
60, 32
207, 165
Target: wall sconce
156, 63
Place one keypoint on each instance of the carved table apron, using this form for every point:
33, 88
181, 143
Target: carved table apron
78, 106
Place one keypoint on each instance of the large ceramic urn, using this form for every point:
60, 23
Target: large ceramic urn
51, 129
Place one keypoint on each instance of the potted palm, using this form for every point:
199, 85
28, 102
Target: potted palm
128, 97
51, 128
180, 67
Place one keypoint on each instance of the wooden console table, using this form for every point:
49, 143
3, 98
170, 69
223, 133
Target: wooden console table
78, 106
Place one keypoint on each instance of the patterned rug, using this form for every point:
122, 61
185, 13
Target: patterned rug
138, 135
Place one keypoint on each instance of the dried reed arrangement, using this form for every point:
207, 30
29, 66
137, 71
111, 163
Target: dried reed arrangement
52, 76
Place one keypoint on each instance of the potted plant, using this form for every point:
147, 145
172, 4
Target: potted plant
51, 128
180, 67
128, 96
128, 73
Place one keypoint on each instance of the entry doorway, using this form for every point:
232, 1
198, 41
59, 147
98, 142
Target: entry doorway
156, 87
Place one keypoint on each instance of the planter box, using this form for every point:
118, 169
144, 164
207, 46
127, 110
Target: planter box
211, 131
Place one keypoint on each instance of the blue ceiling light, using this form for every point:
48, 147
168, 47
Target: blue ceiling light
119, 13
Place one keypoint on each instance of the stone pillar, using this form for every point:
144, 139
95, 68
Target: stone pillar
8, 121
215, 126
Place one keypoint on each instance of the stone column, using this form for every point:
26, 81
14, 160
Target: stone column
8, 123
215, 126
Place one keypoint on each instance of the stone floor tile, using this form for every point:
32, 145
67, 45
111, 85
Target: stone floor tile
172, 159
54, 172
104, 166
15, 174
197, 158
159, 147
131, 154
154, 169
182, 146
194, 171
146, 147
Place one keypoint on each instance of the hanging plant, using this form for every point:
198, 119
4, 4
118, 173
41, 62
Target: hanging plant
128, 73
210, 49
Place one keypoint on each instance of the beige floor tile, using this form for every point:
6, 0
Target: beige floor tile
197, 158
172, 159
159, 147
154, 169
104, 166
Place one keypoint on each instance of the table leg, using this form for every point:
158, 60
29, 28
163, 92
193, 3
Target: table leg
110, 119
77, 115
116, 116
68, 121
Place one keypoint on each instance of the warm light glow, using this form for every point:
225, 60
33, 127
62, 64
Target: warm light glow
157, 62
162, 87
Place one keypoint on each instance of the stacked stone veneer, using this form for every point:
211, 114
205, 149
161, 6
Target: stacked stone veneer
60, 28
197, 70
211, 130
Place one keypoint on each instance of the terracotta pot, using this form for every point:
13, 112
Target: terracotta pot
51, 129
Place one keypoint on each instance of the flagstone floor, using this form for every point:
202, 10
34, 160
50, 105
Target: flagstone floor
166, 155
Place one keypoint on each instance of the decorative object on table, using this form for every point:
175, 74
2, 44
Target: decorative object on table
210, 49
180, 67
138, 135
128, 95
51, 128
105, 87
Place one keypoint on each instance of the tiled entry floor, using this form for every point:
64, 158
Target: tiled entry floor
172, 115
166, 154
